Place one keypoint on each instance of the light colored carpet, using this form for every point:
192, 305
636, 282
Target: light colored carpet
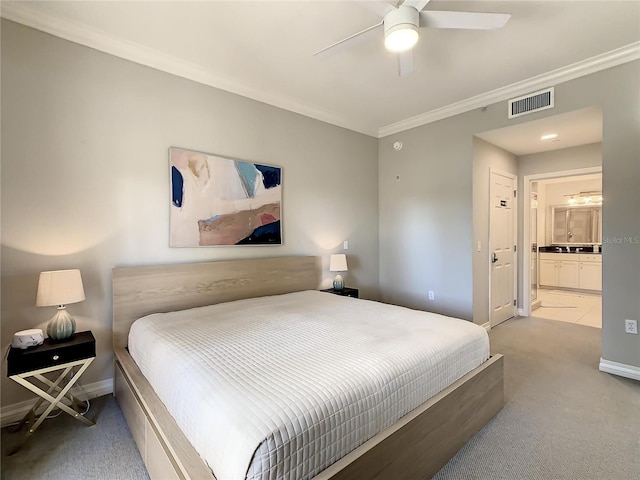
564, 420
64, 449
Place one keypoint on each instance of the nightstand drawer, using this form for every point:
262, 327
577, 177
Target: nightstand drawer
49, 354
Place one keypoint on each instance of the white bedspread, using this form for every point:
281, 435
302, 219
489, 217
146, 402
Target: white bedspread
282, 387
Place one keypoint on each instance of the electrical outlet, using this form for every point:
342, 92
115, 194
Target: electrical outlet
631, 326
432, 295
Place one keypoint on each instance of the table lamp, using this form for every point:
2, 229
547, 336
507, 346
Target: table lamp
338, 263
60, 287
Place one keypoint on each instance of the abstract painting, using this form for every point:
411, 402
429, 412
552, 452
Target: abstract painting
220, 201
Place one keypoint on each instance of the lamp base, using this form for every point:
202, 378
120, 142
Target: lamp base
62, 326
338, 282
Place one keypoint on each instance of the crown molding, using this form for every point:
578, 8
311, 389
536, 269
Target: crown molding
20, 12
606, 60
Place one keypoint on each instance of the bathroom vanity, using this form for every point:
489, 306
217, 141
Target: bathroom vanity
570, 269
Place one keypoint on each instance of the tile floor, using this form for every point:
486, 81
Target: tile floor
573, 307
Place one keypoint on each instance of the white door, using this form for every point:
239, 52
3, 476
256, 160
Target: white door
502, 241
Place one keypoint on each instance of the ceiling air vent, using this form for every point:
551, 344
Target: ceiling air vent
532, 102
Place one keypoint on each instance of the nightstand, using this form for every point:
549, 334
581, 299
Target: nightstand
28, 365
345, 292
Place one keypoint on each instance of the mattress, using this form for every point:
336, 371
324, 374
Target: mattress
281, 387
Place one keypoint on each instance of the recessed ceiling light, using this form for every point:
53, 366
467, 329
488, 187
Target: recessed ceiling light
549, 136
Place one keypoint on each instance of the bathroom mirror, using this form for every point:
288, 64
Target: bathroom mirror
576, 225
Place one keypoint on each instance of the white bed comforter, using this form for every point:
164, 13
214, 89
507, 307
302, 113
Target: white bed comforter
282, 387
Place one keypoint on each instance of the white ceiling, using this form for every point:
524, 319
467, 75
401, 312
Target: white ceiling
263, 50
580, 127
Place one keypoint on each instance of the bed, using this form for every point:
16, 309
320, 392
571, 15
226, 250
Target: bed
414, 445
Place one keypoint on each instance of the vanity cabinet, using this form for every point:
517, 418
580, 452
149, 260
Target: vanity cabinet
548, 274
559, 270
590, 272
571, 270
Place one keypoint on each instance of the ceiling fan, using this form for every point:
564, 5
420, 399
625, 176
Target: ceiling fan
401, 23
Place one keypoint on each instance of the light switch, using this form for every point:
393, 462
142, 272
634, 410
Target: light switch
345, 245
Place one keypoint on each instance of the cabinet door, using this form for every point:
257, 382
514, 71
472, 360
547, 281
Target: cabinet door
591, 276
548, 273
568, 274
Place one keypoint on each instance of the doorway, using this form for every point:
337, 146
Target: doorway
566, 144
568, 286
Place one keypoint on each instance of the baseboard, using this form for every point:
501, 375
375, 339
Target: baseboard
620, 369
486, 326
13, 413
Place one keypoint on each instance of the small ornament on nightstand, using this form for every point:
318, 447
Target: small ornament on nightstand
338, 263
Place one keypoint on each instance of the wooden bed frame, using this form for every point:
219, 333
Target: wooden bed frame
415, 447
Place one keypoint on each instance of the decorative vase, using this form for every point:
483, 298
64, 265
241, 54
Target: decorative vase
61, 326
338, 282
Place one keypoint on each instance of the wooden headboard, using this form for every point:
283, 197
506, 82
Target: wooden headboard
139, 291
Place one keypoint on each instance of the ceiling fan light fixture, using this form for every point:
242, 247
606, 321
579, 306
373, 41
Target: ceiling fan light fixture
401, 29
401, 38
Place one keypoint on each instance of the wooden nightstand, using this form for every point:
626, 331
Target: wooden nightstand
26, 366
345, 292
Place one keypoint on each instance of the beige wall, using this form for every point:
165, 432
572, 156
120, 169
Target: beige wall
85, 140
425, 217
486, 157
426, 222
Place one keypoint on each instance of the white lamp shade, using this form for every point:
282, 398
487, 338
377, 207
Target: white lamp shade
60, 287
338, 263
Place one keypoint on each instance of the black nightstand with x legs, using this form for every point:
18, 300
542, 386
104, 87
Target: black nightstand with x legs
27, 366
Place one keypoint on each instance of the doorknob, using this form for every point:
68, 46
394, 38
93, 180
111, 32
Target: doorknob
494, 257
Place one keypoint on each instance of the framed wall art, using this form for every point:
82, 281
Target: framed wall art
219, 201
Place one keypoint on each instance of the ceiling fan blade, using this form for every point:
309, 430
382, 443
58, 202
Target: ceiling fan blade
463, 20
405, 63
417, 4
372, 27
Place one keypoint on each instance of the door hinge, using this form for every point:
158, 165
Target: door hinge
515, 248
515, 193
514, 302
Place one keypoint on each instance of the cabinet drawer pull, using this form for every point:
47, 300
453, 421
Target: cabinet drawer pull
56, 357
